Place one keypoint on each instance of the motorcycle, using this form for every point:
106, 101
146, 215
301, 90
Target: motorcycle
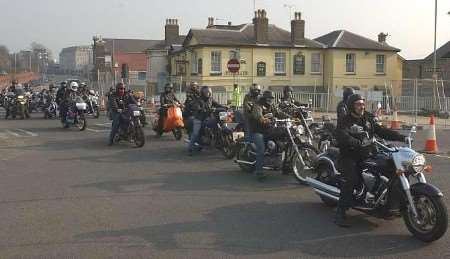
50, 108
131, 127
173, 122
289, 149
140, 103
92, 103
75, 116
18, 104
386, 176
221, 134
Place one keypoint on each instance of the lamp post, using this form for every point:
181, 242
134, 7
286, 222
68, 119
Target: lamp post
435, 30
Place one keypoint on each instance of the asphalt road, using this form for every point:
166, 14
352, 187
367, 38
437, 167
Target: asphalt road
66, 194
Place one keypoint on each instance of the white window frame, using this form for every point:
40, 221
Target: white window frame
316, 64
235, 54
216, 62
280, 63
350, 57
380, 63
194, 63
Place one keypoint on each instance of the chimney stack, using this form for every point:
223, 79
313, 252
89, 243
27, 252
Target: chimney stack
261, 27
210, 22
297, 29
382, 37
172, 31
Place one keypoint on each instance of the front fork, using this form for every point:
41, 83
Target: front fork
406, 188
296, 148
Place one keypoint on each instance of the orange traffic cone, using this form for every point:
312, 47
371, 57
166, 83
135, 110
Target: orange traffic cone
395, 123
431, 144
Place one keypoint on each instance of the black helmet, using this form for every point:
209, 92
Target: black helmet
352, 99
255, 90
268, 97
347, 92
206, 91
15, 82
120, 85
168, 87
287, 89
63, 84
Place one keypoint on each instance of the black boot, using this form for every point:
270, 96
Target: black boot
341, 218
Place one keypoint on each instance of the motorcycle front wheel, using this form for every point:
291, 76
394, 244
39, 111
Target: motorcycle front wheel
228, 149
432, 221
139, 137
81, 123
300, 170
177, 133
96, 112
244, 155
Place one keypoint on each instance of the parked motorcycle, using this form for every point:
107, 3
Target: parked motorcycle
50, 108
131, 127
75, 116
387, 176
288, 149
92, 104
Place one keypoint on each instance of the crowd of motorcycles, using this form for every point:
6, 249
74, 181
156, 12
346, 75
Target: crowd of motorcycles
304, 148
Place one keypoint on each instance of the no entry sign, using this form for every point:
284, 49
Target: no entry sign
233, 65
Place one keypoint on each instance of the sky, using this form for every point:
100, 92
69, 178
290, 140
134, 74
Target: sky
63, 23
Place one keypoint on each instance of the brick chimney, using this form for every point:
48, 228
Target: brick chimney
261, 27
382, 37
210, 22
297, 29
172, 31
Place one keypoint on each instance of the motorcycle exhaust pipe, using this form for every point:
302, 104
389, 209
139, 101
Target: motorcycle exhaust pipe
244, 162
323, 188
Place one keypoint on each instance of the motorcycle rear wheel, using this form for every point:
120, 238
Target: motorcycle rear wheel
433, 219
96, 112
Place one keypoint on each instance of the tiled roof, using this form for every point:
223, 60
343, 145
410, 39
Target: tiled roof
129, 45
343, 39
442, 52
243, 35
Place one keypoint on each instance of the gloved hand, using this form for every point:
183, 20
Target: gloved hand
366, 142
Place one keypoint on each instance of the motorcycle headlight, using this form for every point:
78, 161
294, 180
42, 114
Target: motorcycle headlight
20, 97
418, 164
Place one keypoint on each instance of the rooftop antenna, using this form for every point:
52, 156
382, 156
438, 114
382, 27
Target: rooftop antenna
289, 6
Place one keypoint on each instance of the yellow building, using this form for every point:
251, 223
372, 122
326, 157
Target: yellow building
274, 58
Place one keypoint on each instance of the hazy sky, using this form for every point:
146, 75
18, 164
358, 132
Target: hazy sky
62, 23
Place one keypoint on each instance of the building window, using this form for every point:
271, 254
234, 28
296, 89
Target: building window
380, 64
350, 63
235, 54
315, 63
194, 65
142, 75
216, 61
280, 63
299, 65
261, 69
200, 66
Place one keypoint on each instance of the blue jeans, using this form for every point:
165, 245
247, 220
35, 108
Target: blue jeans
258, 139
115, 125
195, 134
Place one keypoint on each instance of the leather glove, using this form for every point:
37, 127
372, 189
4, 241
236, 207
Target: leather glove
366, 142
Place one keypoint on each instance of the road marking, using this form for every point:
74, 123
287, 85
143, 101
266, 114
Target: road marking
448, 157
28, 132
12, 133
96, 131
103, 124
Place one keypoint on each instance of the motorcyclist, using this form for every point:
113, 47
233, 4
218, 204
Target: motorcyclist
259, 125
192, 95
342, 105
167, 99
249, 100
68, 97
119, 102
355, 148
236, 97
288, 100
201, 109
12, 88
60, 93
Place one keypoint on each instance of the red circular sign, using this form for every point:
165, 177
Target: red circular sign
233, 65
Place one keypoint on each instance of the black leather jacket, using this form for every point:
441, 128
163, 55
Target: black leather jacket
260, 109
341, 110
351, 145
121, 102
202, 107
167, 99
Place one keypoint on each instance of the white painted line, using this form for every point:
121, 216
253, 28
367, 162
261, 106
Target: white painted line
28, 132
103, 124
448, 157
97, 131
12, 133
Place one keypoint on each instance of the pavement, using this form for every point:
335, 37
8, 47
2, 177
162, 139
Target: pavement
66, 194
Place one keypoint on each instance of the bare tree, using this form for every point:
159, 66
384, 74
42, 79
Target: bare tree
4, 59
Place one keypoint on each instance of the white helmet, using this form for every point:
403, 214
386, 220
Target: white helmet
74, 86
